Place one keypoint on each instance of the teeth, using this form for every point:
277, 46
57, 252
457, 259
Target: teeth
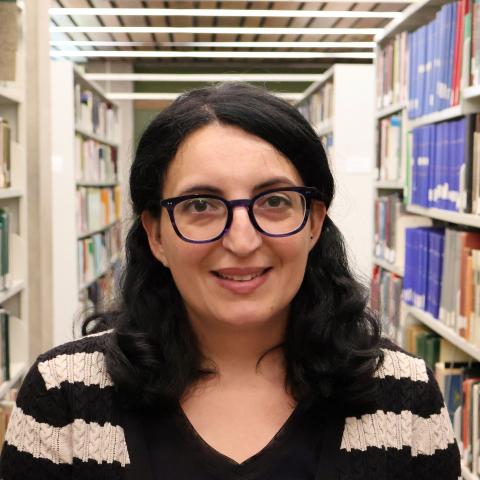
240, 278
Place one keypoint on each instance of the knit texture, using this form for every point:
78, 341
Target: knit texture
67, 425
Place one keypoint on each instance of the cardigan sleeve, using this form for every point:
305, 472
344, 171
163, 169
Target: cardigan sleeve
38, 439
435, 452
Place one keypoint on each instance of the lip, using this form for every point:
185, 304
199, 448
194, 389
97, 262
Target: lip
245, 287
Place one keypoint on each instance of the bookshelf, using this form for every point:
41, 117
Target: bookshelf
14, 332
86, 189
432, 103
336, 112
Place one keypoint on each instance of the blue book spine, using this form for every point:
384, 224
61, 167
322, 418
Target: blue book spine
414, 168
422, 54
451, 52
435, 60
440, 59
424, 268
429, 304
410, 46
432, 147
439, 273
407, 278
428, 68
459, 145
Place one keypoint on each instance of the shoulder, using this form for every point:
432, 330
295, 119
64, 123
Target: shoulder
81, 360
410, 421
398, 364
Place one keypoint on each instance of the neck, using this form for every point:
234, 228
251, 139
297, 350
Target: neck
235, 351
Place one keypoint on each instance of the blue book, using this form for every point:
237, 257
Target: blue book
459, 146
422, 57
434, 167
409, 261
436, 239
449, 53
428, 68
436, 37
414, 168
431, 161
440, 58
410, 47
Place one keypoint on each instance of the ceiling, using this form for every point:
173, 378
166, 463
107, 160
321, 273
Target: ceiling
181, 47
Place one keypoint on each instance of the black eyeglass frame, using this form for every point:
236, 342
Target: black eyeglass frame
309, 193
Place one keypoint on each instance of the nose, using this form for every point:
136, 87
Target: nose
241, 238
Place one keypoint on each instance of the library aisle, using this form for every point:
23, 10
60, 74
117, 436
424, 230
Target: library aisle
391, 88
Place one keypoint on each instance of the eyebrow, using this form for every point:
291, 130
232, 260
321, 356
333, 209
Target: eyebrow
205, 188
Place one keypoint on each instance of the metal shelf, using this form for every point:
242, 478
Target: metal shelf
435, 117
389, 185
397, 270
97, 230
444, 331
390, 110
97, 184
94, 136
446, 215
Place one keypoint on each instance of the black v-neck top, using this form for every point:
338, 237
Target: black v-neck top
167, 447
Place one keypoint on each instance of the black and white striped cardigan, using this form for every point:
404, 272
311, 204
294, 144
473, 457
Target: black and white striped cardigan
66, 424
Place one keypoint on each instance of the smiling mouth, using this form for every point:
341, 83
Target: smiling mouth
241, 278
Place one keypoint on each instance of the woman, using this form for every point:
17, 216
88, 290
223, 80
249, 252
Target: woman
242, 347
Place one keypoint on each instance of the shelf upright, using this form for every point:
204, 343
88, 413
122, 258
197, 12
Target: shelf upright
350, 155
81, 254
13, 199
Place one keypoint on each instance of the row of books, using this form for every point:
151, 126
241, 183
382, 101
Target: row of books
318, 108
391, 72
97, 252
95, 162
436, 53
99, 295
93, 114
5, 153
442, 277
385, 298
97, 207
389, 149
390, 222
445, 165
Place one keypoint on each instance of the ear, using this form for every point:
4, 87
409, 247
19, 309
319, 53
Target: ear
318, 211
151, 225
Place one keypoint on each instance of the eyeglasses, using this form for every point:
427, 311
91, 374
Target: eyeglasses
274, 213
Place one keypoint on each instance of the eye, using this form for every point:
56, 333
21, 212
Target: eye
274, 200
201, 205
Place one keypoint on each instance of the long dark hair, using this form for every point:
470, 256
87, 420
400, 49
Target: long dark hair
332, 343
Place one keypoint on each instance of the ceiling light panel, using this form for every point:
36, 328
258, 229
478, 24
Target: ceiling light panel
68, 43
202, 12
221, 30
208, 54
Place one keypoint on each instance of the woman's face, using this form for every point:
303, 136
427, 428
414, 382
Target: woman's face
234, 164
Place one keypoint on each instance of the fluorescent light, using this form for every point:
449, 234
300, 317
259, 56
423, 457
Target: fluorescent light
204, 77
195, 54
220, 30
87, 43
295, 1
173, 96
206, 12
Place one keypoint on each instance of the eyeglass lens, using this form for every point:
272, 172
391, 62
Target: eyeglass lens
276, 213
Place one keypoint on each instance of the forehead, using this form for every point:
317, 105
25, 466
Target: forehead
227, 158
